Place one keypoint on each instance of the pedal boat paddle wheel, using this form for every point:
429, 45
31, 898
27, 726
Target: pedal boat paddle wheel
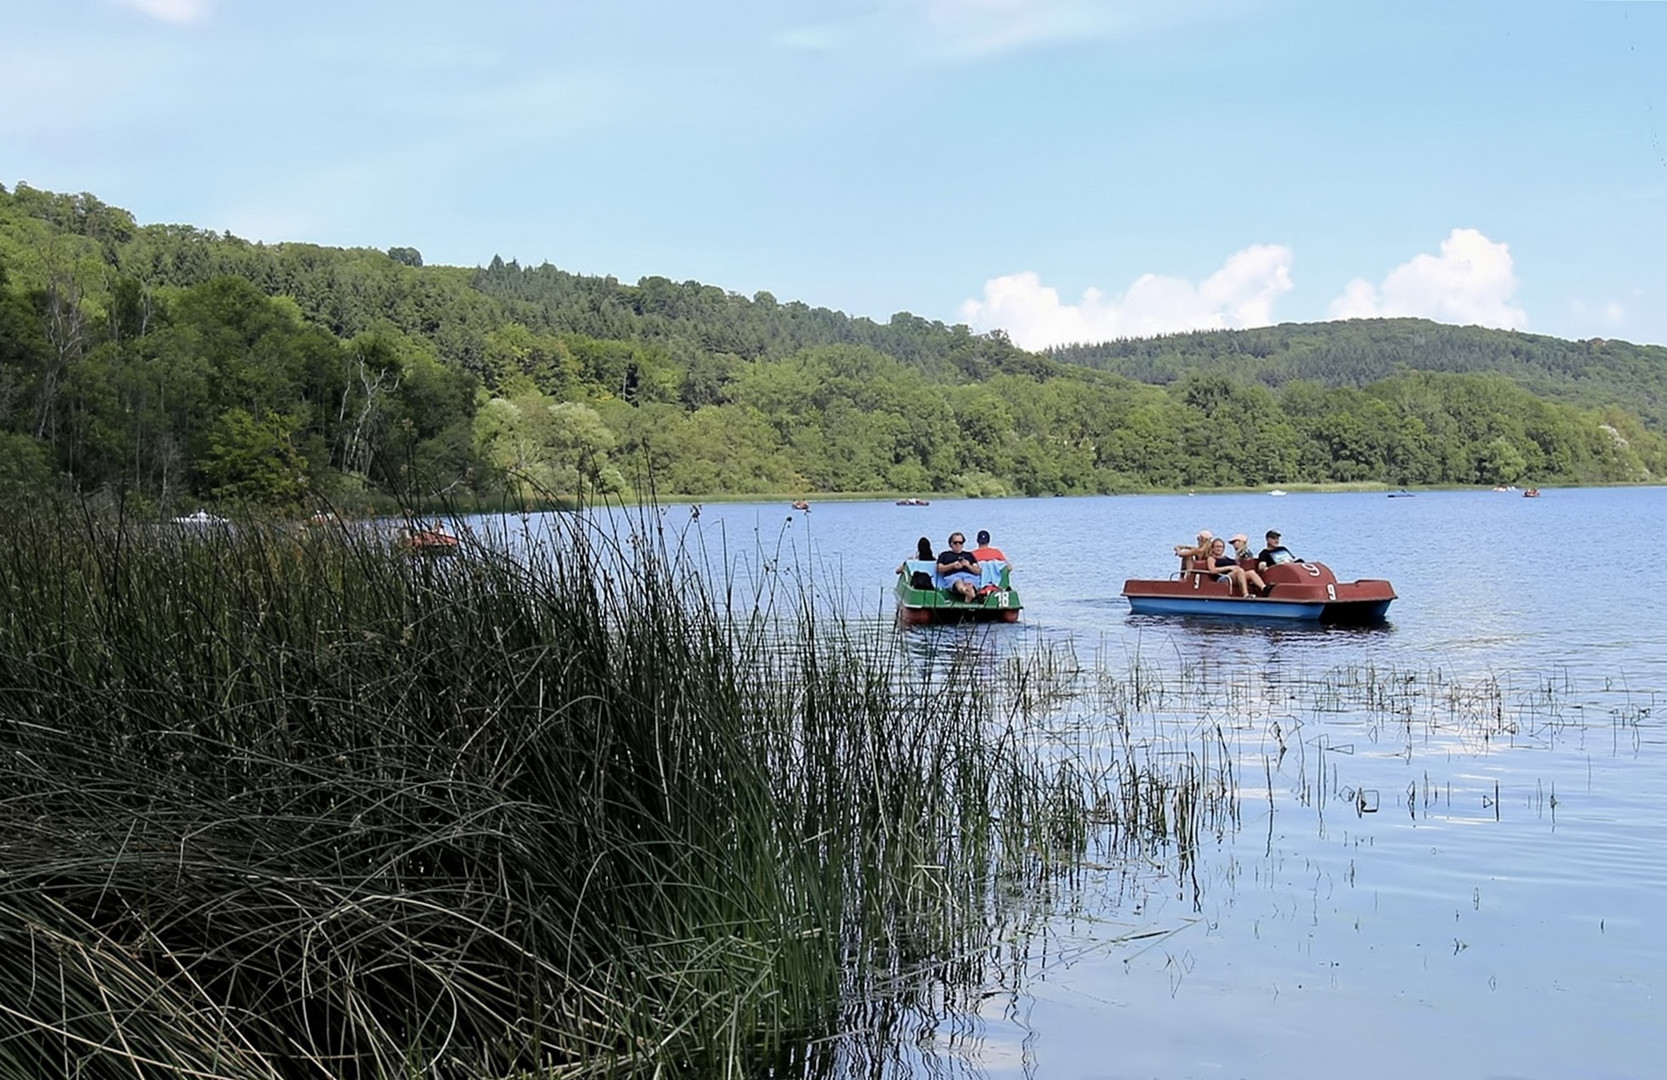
1297, 591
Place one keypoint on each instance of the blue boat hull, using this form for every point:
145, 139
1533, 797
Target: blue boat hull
1179, 605
1259, 609
1297, 592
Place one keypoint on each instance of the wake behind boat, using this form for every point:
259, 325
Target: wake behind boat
1303, 591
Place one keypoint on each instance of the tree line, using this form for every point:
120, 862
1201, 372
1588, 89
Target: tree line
1358, 352
177, 365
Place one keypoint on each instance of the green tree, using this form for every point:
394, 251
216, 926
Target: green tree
547, 446
254, 459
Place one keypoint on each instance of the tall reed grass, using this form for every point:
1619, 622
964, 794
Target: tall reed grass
281, 805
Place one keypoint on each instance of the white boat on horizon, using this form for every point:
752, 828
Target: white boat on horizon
200, 520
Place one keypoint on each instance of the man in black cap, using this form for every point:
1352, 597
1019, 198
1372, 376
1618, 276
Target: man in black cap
1275, 553
984, 552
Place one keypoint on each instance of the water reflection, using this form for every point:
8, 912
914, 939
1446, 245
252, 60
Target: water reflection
1377, 837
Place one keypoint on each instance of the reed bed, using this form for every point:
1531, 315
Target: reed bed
299, 805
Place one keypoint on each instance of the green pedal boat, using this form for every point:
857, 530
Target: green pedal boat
921, 598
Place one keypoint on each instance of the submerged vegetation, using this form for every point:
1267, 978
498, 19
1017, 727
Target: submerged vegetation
180, 366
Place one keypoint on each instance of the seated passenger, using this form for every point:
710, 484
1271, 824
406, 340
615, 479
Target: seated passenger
1226, 568
1241, 548
919, 579
1194, 554
984, 552
993, 560
1275, 553
959, 570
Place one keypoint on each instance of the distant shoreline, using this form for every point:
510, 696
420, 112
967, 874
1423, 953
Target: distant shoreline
790, 497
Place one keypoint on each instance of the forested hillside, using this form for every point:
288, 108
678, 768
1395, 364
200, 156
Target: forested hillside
1357, 352
178, 365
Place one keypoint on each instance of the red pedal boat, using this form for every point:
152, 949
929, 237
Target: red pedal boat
1302, 591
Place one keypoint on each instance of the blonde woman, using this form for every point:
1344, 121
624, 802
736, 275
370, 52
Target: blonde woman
1193, 555
1241, 582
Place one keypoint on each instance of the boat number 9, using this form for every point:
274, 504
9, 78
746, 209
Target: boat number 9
1331, 592
1313, 571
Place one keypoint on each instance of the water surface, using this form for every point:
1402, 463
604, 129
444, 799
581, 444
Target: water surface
1449, 846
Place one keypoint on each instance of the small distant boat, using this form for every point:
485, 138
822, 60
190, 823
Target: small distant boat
921, 599
1300, 591
435, 540
1531, 493
202, 519
913, 502
801, 505
1277, 491
1402, 494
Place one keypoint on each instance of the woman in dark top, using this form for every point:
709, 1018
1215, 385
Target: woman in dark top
1226, 568
923, 553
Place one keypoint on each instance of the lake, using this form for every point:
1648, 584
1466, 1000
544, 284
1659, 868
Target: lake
1448, 848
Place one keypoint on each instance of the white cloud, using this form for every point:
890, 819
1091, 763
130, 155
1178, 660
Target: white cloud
973, 28
1240, 294
1471, 281
182, 12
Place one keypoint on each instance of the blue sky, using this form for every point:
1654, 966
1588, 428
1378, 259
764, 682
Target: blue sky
1064, 169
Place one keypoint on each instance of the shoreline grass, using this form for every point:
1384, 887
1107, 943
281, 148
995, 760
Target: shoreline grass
281, 805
